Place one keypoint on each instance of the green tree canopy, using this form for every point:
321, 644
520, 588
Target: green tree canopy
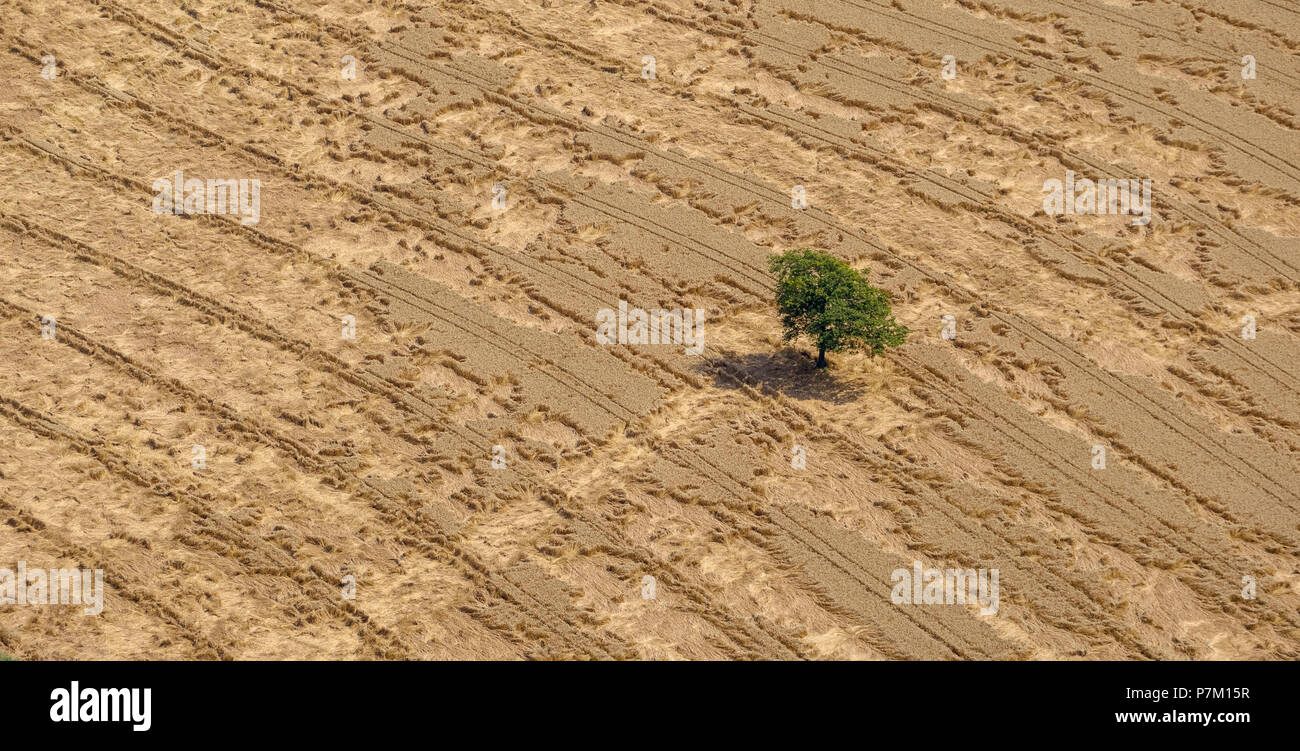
827, 300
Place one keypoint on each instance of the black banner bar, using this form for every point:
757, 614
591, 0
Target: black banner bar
255, 702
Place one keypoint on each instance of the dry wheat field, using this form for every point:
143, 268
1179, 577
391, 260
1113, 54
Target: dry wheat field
298, 329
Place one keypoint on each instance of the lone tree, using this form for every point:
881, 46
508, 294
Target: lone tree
828, 301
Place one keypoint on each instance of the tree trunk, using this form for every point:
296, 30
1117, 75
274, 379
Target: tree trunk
821, 357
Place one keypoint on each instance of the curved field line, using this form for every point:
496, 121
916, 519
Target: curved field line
731, 627
1252, 467
942, 102
1135, 97
938, 384
1013, 220
198, 506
